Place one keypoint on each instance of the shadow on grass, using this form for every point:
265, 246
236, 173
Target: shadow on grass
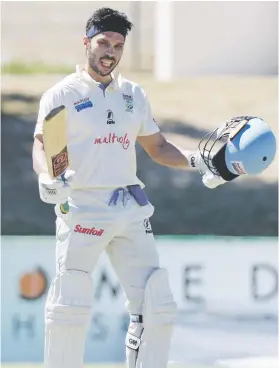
179, 127
17, 97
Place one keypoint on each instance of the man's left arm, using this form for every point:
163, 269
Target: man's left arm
153, 141
165, 153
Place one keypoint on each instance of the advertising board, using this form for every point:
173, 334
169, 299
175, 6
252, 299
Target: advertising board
207, 275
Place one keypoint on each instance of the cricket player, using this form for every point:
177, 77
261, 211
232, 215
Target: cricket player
108, 209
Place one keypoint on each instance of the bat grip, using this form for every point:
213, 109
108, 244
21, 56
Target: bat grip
63, 177
64, 208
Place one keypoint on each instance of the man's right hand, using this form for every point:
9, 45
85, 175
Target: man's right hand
54, 191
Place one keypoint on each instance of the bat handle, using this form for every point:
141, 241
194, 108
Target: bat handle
64, 208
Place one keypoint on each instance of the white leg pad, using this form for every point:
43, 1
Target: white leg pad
148, 341
67, 318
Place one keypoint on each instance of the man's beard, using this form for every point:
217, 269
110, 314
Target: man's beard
93, 63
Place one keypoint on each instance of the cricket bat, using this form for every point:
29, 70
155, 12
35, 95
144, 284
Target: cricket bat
55, 145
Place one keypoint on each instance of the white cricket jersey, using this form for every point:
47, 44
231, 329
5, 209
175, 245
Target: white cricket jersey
102, 128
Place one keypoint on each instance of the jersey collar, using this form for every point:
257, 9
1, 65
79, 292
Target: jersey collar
82, 73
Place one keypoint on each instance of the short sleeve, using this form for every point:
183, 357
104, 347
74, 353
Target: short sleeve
148, 125
49, 101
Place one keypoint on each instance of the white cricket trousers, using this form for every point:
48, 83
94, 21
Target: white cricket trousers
123, 231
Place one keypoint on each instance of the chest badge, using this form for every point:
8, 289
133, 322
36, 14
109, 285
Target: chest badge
129, 102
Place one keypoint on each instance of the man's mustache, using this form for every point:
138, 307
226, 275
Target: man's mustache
108, 58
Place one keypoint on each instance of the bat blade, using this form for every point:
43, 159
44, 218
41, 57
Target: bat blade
55, 141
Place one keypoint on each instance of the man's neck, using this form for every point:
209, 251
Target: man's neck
98, 78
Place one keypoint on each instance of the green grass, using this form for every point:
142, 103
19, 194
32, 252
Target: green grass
38, 67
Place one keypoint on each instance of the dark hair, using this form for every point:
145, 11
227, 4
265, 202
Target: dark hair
107, 19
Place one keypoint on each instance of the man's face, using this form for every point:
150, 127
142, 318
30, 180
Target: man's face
104, 52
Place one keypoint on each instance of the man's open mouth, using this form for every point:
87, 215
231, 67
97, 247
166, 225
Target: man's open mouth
106, 63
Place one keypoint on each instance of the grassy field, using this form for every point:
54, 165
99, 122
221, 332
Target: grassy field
19, 68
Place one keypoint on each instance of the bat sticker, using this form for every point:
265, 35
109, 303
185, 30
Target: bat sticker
60, 162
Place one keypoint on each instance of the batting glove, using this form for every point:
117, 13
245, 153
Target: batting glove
55, 191
209, 179
195, 160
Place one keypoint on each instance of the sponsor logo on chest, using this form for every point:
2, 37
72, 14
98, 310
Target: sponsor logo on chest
82, 104
110, 118
112, 138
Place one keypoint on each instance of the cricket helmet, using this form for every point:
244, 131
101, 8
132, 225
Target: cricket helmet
242, 145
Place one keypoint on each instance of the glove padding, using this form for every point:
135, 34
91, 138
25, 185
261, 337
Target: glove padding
211, 180
55, 191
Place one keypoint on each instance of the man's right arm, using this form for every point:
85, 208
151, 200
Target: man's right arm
50, 100
38, 155
53, 191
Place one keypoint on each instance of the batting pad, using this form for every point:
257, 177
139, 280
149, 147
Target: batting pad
67, 318
159, 313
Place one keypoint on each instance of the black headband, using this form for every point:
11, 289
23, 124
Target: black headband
93, 31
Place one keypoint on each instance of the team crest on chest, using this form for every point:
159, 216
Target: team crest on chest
129, 102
